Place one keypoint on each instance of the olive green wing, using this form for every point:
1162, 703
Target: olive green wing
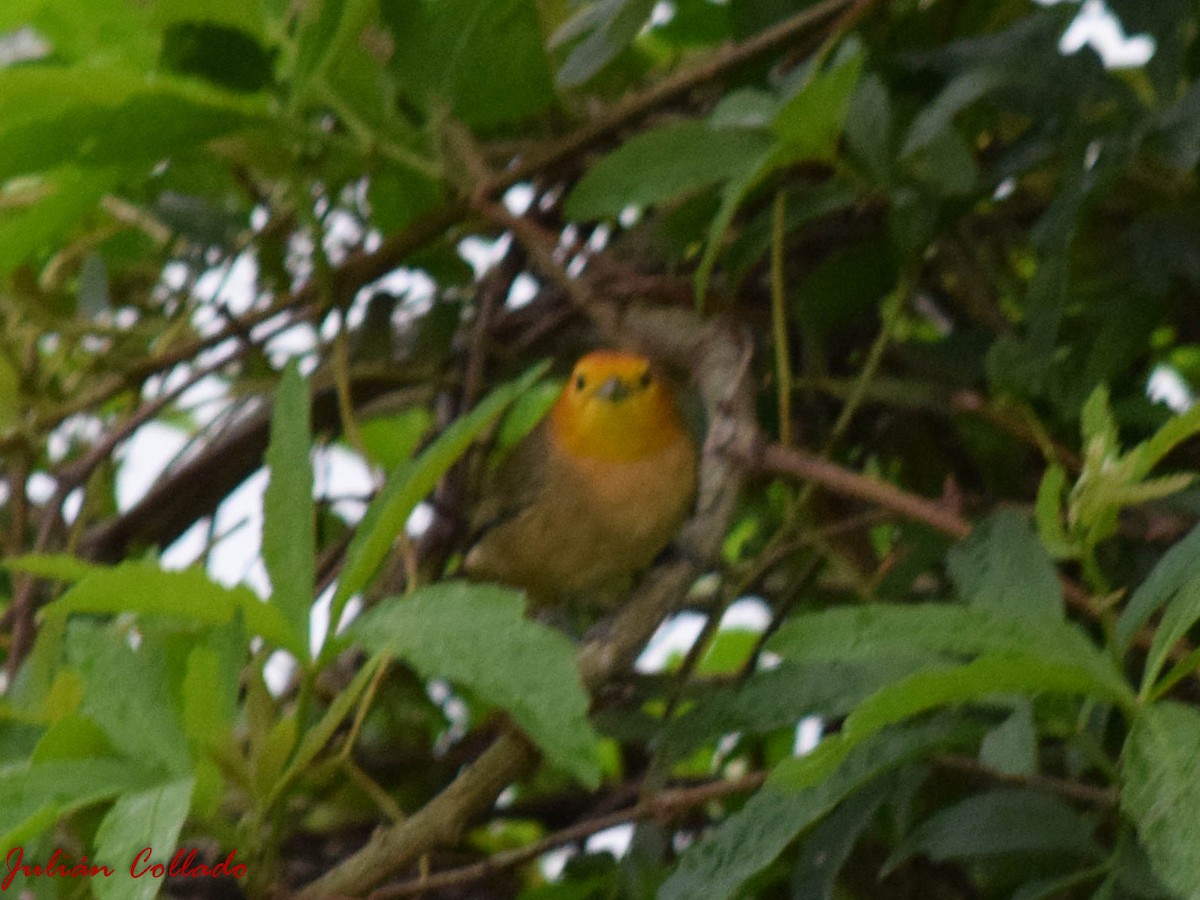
511, 484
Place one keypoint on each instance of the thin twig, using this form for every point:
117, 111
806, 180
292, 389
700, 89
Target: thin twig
662, 805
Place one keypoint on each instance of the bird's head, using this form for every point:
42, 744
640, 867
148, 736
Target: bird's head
615, 406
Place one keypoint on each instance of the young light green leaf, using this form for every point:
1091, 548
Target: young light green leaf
1162, 791
56, 566
663, 164
1005, 820
392, 440
477, 635
1048, 513
1003, 567
407, 486
151, 818
799, 793
145, 589
289, 529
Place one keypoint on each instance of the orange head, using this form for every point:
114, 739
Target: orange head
617, 408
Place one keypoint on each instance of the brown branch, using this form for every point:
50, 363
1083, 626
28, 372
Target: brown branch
796, 463
1105, 798
660, 806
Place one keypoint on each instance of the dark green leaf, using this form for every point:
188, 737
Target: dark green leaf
810, 123
1006, 820
611, 25
662, 164
228, 57
484, 59
799, 793
1161, 771
1003, 566
1178, 566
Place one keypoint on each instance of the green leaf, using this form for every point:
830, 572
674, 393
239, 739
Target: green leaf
824, 851
938, 117
1002, 566
54, 566
189, 594
1177, 567
988, 676
407, 486
318, 736
1005, 820
885, 630
798, 793
736, 190
1049, 513
663, 164
57, 201
868, 127
392, 440
151, 818
810, 123
289, 528
1161, 773
613, 25
208, 702
484, 59
53, 116
1011, 747
1182, 612
226, 56
32, 798
477, 635
777, 698
128, 693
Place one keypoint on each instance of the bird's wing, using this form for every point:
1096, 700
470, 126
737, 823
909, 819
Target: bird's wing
513, 483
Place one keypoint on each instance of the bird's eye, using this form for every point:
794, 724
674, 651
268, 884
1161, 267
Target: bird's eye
645, 380
580, 382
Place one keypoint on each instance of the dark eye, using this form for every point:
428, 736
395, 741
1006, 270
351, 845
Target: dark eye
645, 380
580, 382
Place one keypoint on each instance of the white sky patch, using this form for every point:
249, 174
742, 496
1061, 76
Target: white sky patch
341, 475
1096, 25
749, 613
143, 458
187, 548
673, 637
481, 254
419, 520
808, 735
518, 198
81, 429
235, 553
343, 232
614, 840
524, 288
278, 671
1165, 385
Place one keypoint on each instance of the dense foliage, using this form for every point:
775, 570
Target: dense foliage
920, 261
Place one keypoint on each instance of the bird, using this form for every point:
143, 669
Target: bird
594, 492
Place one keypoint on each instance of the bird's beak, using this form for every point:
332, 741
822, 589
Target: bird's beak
613, 389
